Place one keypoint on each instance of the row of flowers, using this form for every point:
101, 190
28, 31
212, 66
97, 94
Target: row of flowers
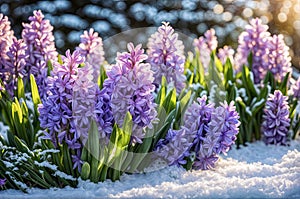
71, 116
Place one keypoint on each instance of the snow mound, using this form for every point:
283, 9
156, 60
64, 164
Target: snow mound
255, 171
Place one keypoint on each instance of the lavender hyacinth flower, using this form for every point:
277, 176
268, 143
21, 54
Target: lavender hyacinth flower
39, 39
296, 89
15, 65
166, 56
56, 110
91, 48
207, 132
221, 134
254, 39
196, 120
174, 148
130, 85
205, 45
276, 121
6, 39
226, 53
56, 113
90, 103
279, 60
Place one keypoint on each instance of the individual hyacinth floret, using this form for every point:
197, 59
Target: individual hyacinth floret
205, 45
130, 85
276, 121
91, 48
2, 181
166, 56
296, 89
253, 40
279, 60
39, 39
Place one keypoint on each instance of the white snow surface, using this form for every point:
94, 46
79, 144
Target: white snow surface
255, 171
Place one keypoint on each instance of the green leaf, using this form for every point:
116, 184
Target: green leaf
170, 101
248, 82
35, 94
21, 93
126, 132
284, 84
250, 60
93, 139
21, 146
162, 91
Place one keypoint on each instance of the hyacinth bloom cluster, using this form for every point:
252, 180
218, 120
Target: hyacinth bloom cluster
226, 53
166, 56
56, 114
91, 48
130, 85
6, 39
205, 45
253, 40
279, 60
276, 121
207, 132
39, 40
270, 53
90, 103
296, 89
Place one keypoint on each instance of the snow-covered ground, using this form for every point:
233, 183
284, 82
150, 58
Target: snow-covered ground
256, 171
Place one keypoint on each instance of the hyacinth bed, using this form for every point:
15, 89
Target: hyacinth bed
70, 119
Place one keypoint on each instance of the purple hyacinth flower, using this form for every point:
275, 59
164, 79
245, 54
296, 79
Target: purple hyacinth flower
91, 48
175, 147
196, 120
6, 40
90, 103
15, 65
254, 39
39, 39
2, 182
296, 89
56, 113
166, 56
204, 45
130, 85
279, 60
76, 159
276, 121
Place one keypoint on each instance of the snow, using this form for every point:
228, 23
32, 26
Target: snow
255, 171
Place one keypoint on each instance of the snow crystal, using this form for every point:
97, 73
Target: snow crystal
64, 175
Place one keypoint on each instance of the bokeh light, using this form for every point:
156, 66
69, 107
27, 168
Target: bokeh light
192, 17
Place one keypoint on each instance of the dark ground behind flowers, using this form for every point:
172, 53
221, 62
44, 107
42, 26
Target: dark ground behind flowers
228, 17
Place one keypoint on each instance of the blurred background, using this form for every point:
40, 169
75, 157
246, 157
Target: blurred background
191, 17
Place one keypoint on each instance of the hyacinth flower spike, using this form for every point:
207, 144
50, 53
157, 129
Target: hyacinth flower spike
166, 56
39, 39
130, 85
276, 121
91, 47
